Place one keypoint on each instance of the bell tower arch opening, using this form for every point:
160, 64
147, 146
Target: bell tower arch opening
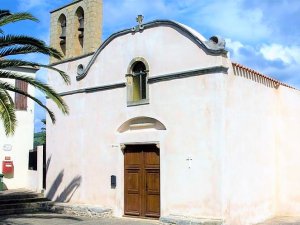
79, 30
81, 33
62, 30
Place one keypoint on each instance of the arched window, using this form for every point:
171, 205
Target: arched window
137, 83
80, 31
62, 22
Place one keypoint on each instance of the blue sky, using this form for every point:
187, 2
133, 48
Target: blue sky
263, 35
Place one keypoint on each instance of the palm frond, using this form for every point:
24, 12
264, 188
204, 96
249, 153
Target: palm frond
7, 18
10, 98
7, 113
15, 63
4, 13
47, 90
17, 40
11, 45
9, 87
19, 49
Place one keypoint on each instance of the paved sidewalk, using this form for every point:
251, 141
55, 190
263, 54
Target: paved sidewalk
59, 219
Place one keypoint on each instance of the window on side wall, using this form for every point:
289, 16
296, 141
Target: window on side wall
21, 100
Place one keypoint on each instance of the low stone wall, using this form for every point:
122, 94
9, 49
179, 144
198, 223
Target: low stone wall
183, 220
77, 210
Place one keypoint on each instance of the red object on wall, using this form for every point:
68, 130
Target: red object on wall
7, 167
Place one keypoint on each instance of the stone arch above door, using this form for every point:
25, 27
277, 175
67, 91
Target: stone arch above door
141, 123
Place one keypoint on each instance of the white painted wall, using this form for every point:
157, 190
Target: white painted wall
288, 198
241, 135
250, 151
21, 141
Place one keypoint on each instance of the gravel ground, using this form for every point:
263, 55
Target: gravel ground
58, 219
284, 220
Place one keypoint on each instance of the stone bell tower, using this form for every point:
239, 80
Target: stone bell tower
76, 28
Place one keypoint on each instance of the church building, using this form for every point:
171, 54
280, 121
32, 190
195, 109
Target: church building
164, 125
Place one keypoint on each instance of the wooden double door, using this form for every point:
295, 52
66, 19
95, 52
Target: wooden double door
142, 181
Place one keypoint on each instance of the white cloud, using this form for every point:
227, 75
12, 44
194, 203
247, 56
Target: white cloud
229, 18
232, 19
286, 54
116, 19
239, 51
234, 46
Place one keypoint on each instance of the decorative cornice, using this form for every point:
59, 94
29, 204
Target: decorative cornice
208, 46
94, 89
105, 87
71, 59
72, 3
154, 79
188, 73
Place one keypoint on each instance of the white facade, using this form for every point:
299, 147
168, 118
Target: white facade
17, 147
238, 128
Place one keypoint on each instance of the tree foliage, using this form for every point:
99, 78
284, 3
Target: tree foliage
11, 45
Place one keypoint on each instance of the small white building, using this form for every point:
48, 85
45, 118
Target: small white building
14, 151
181, 129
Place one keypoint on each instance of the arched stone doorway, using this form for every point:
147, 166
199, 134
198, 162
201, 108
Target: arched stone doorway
141, 138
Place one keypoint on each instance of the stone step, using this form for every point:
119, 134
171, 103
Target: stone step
78, 210
15, 196
29, 205
184, 220
5, 212
22, 200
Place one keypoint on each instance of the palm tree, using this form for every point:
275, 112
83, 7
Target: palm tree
11, 45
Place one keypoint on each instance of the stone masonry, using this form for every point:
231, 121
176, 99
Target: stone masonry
92, 28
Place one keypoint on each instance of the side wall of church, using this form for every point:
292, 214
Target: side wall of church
260, 178
288, 199
250, 151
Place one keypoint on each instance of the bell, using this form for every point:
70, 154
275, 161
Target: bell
63, 32
81, 23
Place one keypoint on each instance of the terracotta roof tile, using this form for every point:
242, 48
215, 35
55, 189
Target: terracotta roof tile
246, 69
